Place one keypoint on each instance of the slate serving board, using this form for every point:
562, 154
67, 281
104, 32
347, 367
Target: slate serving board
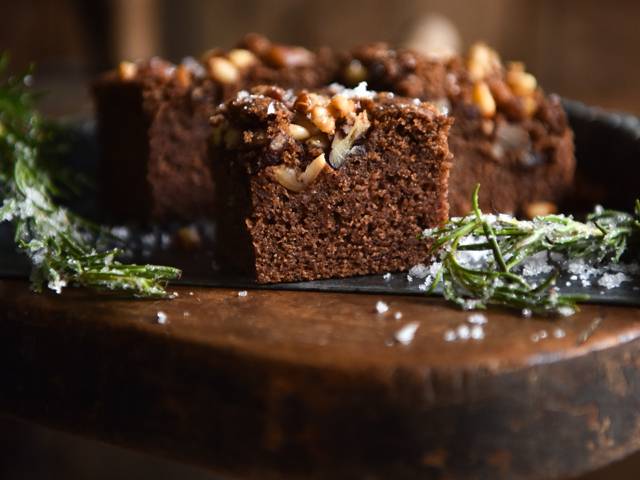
608, 153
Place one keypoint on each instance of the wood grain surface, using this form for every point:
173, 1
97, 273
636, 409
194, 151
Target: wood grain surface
313, 385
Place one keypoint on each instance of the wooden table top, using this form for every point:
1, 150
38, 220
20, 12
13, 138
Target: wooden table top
314, 385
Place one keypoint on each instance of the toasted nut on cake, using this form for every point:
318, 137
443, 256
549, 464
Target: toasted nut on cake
322, 118
522, 83
482, 61
341, 106
223, 71
290, 179
183, 76
483, 99
127, 70
242, 58
298, 132
286, 56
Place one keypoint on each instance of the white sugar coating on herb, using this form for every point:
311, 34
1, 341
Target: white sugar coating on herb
477, 319
526, 312
419, 271
450, 336
582, 269
161, 317
386, 277
536, 264
381, 307
477, 332
471, 304
406, 334
57, 284
559, 333
463, 332
397, 315
613, 280
243, 293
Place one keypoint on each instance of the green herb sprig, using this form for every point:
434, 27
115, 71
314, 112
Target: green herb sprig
59, 244
503, 243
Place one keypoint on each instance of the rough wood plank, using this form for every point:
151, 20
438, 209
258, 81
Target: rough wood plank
310, 385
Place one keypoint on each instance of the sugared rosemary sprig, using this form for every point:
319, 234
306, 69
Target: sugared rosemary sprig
481, 254
58, 242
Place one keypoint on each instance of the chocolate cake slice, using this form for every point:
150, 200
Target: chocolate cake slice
507, 134
327, 184
153, 122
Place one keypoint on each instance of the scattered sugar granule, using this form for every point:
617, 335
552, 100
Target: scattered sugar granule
186, 314
191, 293
566, 311
405, 334
526, 312
397, 315
612, 280
161, 317
271, 109
423, 287
450, 336
559, 333
243, 293
477, 319
381, 307
419, 271
386, 277
477, 332
409, 278
463, 332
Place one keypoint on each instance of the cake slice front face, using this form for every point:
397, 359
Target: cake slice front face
336, 183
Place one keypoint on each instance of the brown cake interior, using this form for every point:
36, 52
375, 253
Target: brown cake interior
507, 134
360, 218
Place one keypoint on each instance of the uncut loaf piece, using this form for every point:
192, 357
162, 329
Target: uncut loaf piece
153, 122
327, 184
507, 134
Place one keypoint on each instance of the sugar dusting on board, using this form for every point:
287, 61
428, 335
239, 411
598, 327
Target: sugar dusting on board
406, 334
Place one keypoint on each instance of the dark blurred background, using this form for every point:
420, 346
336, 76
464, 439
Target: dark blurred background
582, 49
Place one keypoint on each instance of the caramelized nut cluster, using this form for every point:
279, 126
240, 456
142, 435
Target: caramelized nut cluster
226, 69
516, 92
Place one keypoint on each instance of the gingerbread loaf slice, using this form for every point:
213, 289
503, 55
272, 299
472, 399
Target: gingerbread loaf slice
153, 122
327, 184
507, 134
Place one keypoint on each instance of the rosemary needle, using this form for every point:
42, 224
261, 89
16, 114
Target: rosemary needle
500, 244
58, 242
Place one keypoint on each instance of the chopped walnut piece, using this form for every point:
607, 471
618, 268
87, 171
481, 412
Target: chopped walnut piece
483, 99
341, 106
286, 56
539, 209
322, 118
340, 147
530, 106
298, 132
292, 180
482, 61
127, 70
183, 76
241, 58
223, 71
522, 83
